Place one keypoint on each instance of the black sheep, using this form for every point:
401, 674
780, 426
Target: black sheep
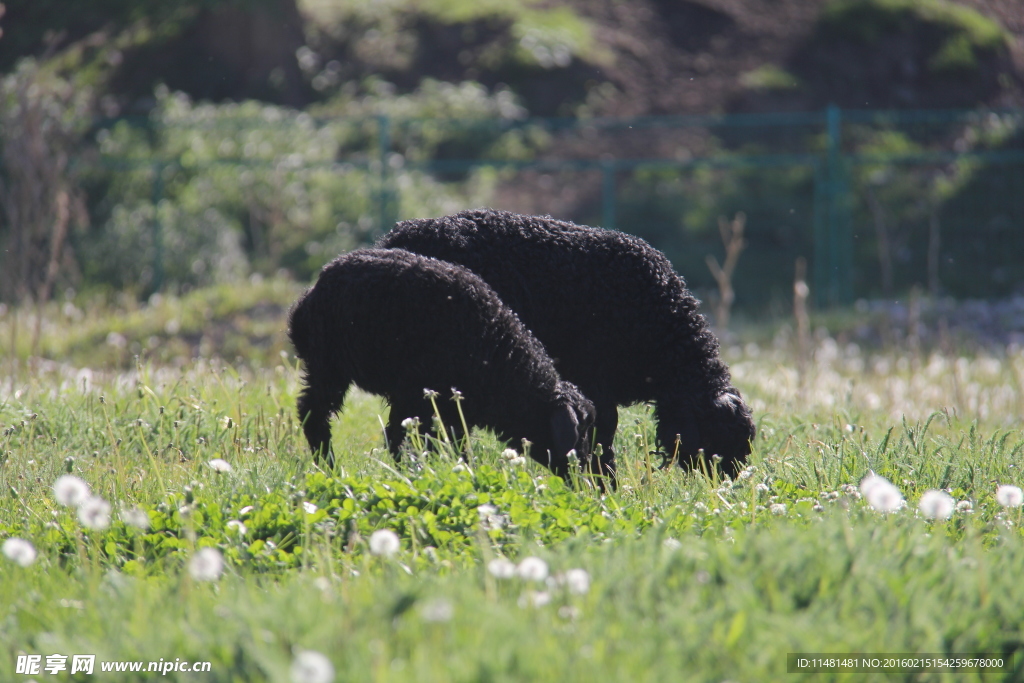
614, 315
396, 323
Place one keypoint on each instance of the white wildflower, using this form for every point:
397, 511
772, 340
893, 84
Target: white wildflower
964, 506
94, 513
880, 493
509, 454
500, 568
532, 569
310, 666
220, 465
310, 508
936, 505
246, 510
1009, 496
70, 490
577, 581
384, 543
20, 551
672, 543
135, 517
206, 565
778, 509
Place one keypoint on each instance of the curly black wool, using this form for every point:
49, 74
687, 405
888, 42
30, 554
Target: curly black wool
614, 315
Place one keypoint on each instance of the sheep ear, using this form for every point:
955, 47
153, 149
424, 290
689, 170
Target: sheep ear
566, 429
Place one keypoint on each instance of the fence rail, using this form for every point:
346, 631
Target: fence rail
878, 201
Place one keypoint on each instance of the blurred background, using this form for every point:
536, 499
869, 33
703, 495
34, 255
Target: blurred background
870, 151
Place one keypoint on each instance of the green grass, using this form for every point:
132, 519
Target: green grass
691, 577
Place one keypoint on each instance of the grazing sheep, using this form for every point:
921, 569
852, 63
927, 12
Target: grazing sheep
396, 323
612, 313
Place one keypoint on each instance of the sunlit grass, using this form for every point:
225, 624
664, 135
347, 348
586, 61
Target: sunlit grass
688, 574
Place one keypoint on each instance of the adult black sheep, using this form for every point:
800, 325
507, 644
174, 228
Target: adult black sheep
396, 323
614, 315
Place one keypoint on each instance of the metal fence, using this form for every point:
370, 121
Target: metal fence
877, 201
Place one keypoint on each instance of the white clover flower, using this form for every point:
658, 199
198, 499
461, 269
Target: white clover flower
517, 461
762, 488
94, 513
310, 666
206, 565
1009, 496
220, 465
532, 569
459, 467
509, 454
500, 568
577, 581
135, 517
237, 526
410, 423
310, 508
672, 543
936, 505
880, 493
384, 543
70, 491
20, 551
246, 510
486, 510
964, 506
437, 610
778, 509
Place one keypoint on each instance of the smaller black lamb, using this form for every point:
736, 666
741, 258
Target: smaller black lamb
614, 315
396, 323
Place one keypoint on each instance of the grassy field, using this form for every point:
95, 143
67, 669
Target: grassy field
676, 576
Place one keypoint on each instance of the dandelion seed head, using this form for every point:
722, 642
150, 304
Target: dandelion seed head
936, 504
19, 551
500, 568
1009, 496
437, 610
384, 543
94, 513
70, 491
880, 493
532, 569
577, 581
220, 465
237, 526
206, 565
310, 666
135, 517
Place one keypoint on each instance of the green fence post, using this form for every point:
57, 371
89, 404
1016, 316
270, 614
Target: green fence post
158, 228
608, 195
839, 240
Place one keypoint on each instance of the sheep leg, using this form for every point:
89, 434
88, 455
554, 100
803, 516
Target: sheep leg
316, 405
